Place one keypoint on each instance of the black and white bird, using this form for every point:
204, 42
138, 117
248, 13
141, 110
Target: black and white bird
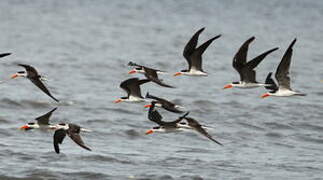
4, 55
163, 126
160, 102
246, 69
283, 88
42, 122
132, 87
73, 131
193, 55
151, 74
140, 69
32, 74
177, 125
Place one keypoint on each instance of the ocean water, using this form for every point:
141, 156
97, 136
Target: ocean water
83, 47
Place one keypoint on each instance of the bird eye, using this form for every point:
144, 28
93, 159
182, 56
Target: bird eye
31, 123
62, 124
20, 72
157, 127
138, 68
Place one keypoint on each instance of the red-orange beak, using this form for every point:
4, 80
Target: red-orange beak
149, 132
14, 76
147, 106
117, 101
265, 95
178, 73
132, 72
25, 127
227, 86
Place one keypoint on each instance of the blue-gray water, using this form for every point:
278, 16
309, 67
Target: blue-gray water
83, 48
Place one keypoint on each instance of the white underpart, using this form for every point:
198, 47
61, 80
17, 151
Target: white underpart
194, 72
283, 92
134, 99
245, 85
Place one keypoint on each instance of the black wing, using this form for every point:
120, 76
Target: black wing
195, 125
154, 115
240, 58
196, 57
132, 86
42, 87
152, 75
169, 106
4, 54
74, 133
270, 83
190, 47
59, 136
282, 72
249, 75
44, 119
34, 77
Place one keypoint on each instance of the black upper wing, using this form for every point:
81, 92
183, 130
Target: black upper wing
240, 58
196, 57
165, 103
249, 75
195, 125
44, 119
132, 86
4, 54
270, 83
59, 136
42, 87
154, 115
74, 133
190, 47
282, 72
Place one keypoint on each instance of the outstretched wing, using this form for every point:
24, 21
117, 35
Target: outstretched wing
195, 125
196, 57
154, 115
270, 83
4, 54
249, 75
59, 136
44, 119
74, 133
282, 72
41, 86
191, 45
240, 58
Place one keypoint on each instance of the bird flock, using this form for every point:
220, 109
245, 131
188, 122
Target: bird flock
131, 86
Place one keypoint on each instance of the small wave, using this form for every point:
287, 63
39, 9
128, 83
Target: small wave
102, 158
274, 125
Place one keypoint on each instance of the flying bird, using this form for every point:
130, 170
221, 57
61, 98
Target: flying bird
132, 87
73, 131
160, 102
246, 69
151, 74
282, 76
193, 55
176, 125
42, 122
32, 74
140, 69
164, 126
